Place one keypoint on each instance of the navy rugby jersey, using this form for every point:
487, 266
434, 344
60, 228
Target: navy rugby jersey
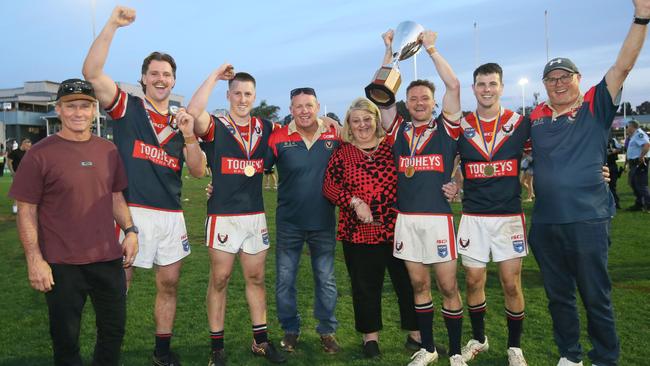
235, 193
301, 171
152, 152
490, 165
433, 162
569, 152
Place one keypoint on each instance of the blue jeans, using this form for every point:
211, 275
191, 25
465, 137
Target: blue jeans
575, 255
287, 259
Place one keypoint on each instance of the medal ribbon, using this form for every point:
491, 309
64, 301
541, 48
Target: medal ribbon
411, 135
247, 145
169, 114
489, 149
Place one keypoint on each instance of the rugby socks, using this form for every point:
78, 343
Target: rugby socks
424, 315
454, 324
260, 333
216, 340
477, 317
515, 327
162, 344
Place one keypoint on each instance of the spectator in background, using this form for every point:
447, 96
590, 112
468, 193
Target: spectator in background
13, 160
613, 149
637, 160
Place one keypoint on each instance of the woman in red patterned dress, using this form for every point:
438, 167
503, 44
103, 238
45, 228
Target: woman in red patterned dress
362, 181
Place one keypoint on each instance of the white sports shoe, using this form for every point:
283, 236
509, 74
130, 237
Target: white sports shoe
423, 357
516, 357
14, 209
565, 362
473, 348
457, 360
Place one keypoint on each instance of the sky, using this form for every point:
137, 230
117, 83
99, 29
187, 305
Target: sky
334, 46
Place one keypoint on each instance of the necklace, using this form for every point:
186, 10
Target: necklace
369, 153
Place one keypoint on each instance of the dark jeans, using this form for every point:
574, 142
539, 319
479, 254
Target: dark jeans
367, 264
288, 251
575, 255
105, 283
638, 179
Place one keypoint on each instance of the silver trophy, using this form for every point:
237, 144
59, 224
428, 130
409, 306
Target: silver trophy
387, 80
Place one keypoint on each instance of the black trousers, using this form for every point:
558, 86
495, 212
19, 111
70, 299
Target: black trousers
638, 178
367, 264
105, 284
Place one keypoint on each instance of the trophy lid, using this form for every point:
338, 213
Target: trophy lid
406, 40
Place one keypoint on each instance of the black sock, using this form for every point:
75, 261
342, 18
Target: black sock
260, 333
162, 344
454, 323
424, 315
477, 317
216, 340
515, 327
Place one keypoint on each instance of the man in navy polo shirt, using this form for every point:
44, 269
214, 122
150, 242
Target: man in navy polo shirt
571, 218
301, 151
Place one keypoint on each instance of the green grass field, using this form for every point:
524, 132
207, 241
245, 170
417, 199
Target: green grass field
24, 335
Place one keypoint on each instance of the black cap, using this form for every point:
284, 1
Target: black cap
560, 63
75, 89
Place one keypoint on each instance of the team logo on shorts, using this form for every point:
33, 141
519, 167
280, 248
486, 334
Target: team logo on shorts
507, 128
265, 237
518, 246
469, 132
463, 244
442, 251
399, 246
222, 239
185, 242
329, 145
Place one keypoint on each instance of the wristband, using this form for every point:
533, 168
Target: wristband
641, 21
431, 50
190, 140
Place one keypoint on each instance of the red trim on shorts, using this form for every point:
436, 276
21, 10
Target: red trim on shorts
523, 224
452, 237
241, 214
152, 208
212, 222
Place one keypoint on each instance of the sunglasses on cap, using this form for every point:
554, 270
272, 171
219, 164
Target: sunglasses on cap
298, 91
74, 87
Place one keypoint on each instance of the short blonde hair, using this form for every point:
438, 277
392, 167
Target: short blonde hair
362, 104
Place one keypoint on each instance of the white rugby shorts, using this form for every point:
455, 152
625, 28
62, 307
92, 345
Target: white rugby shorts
232, 233
162, 237
425, 238
501, 237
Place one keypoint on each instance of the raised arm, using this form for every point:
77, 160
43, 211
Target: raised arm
630, 50
199, 101
451, 99
388, 113
93, 68
192, 150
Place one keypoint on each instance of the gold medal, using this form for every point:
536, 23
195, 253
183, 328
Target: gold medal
410, 171
249, 171
488, 170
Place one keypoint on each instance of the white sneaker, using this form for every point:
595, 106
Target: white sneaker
565, 362
457, 360
516, 357
423, 357
473, 348
14, 209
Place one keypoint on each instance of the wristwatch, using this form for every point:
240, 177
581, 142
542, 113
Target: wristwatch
132, 229
642, 21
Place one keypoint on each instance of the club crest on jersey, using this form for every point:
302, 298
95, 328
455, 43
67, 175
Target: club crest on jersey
185, 242
288, 144
265, 237
407, 127
231, 129
537, 122
329, 144
463, 244
222, 239
507, 128
399, 246
469, 132
518, 246
258, 130
442, 251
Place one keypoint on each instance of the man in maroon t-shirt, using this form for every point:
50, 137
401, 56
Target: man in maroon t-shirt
69, 191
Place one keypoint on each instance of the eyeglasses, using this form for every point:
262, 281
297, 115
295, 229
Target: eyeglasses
74, 87
298, 91
564, 79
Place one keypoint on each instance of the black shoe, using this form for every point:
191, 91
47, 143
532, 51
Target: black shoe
371, 349
268, 351
411, 344
289, 342
217, 358
170, 359
634, 208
